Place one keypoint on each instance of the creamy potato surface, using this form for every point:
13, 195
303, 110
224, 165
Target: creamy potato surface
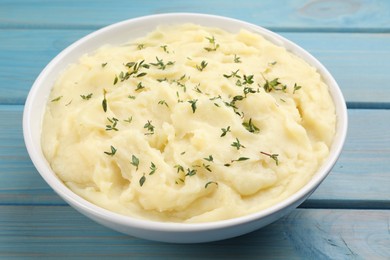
188, 124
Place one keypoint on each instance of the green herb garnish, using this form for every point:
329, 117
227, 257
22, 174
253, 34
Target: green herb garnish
209, 159
296, 87
149, 127
191, 172
272, 156
237, 59
56, 99
113, 122
104, 102
193, 104
142, 180
225, 131
152, 168
134, 162
163, 102
251, 127
237, 144
202, 65
161, 65
86, 97
214, 45
113, 151
210, 182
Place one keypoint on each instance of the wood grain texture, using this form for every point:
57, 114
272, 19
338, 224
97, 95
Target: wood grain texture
291, 15
360, 179
304, 234
359, 62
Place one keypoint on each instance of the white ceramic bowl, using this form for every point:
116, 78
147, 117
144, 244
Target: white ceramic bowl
168, 232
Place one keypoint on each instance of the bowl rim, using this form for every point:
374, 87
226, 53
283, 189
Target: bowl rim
73, 199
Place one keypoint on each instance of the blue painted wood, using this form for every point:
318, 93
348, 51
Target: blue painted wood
304, 234
346, 218
291, 15
357, 61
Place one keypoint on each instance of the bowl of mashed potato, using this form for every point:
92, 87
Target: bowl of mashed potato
184, 127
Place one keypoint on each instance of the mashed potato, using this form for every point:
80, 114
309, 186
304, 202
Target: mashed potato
188, 124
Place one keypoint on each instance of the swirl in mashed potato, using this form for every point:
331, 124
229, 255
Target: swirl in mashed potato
188, 124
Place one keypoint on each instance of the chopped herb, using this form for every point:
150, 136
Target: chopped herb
237, 59
131, 97
163, 102
115, 79
237, 144
190, 172
104, 64
227, 164
251, 127
161, 80
56, 99
113, 151
141, 74
248, 90
207, 167
161, 65
196, 88
283, 100
209, 159
273, 85
248, 80
129, 119
104, 102
142, 180
164, 47
182, 153
149, 127
134, 162
210, 182
241, 159
140, 46
86, 97
233, 74
113, 122
296, 87
225, 131
70, 102
272, 156
272, 63
139, 86
152, 168
214, 45
202, 65
179, 168
193, 104
217, 97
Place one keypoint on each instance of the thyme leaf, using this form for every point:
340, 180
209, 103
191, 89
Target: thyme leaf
86, 97
273, 156
113, 151
251, 127
134, 162
225, 131
237, 144
193, 104
152, 168
210, 182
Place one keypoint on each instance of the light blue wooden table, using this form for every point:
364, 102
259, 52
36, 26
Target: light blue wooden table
348, 217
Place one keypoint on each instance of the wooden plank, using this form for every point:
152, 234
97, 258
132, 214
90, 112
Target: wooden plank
360, 179
357, 61
304, 234
319, 15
